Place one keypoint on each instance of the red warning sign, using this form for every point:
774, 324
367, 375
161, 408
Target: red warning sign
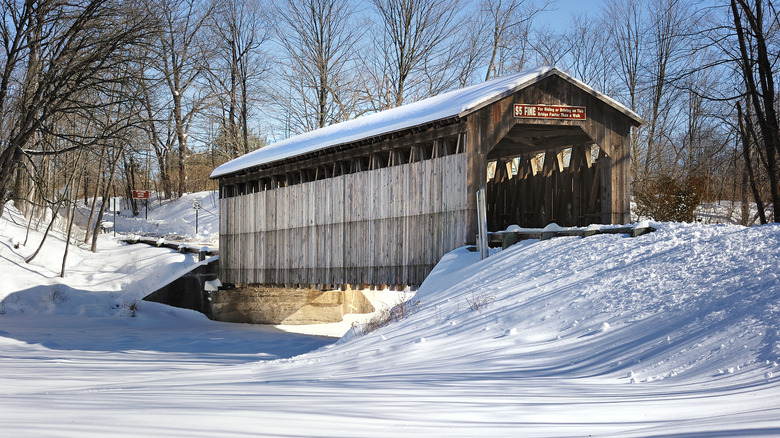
140, 194
538, 111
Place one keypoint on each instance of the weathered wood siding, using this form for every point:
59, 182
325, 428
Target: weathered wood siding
385, 226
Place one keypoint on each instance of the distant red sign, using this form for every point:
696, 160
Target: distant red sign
564, 112
140, 194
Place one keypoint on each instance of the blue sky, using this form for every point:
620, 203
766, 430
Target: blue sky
562, 10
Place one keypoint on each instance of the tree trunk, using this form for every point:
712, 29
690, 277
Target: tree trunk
745, 128
106, 190
181, 139
71, 216
45, 235
98, 183
130, 183
762, 99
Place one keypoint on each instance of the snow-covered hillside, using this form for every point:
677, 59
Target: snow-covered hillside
171, 219
673, 333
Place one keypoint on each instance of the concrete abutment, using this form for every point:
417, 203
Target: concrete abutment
256, 304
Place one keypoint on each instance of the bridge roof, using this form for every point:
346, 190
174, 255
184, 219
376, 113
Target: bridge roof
456, 103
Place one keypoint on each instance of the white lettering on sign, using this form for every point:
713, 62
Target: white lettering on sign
140, 194
541, 111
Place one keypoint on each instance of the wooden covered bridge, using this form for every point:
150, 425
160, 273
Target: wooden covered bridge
380, 199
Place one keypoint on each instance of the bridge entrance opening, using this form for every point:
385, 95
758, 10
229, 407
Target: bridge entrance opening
538, 174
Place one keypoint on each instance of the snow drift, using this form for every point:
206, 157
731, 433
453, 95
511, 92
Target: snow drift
686, 302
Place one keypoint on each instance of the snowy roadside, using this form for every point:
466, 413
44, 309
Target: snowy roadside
170, 219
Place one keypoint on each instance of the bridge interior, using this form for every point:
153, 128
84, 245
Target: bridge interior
538, 174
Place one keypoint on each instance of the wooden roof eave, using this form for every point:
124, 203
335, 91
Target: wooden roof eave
341, 147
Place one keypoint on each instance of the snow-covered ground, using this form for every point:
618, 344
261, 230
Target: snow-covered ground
169, 219
674, 333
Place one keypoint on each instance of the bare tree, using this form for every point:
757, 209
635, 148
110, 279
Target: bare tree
71, 212
625, 27
747, 137
587, 60
158, 122
319, 39
626, 43
470, 49
549, 47
507, 24
61, 52
413, 35
180, 24
758, 54
239, 33
669, 23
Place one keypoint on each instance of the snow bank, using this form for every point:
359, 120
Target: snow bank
685, 302
103, 284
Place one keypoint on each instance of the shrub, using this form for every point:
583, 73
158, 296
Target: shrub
133, 307
387, 316
477, 302
668, 200
57, 295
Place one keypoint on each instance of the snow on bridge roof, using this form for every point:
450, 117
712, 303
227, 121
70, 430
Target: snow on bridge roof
453, 103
